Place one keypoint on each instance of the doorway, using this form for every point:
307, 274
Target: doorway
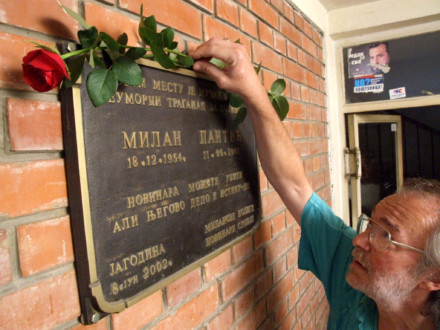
393, 145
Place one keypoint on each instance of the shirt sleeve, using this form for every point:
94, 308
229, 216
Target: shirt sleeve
325, 245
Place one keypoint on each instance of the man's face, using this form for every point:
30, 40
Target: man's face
379, 55
387, 275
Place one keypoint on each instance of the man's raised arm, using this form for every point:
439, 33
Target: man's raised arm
278, 156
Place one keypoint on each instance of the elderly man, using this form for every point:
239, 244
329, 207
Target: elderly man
385, 276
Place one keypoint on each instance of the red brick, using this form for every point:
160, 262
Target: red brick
289, 322
32, 187
43, 305
292, 51
101, 325
43, 16
305, 94
291, 32
5, 258
268, 58
279, 269
112, 23
314, 112
264, 283
266, 34
242, 250
312, 80
309, 46
295, 91
263, 234
14, 48
299, 21
297, 110
281, 312
225, 320
265, 11
279, 246
280, 291
271, 203
205, 4
278, 4
240, 277
140, 313
217, 266
263, 180
296, 233
293, 296
294, 71
278, 224
43, 245
244, 302
194, 312
268, 78
290, 220
248, 23
34, 125
215, 28
280, 43
184, 287
254, 318
288, 12
227, 10
307, 29
292, 257
176, 14
302, 57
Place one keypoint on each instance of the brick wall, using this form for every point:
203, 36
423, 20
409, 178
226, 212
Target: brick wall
256, 283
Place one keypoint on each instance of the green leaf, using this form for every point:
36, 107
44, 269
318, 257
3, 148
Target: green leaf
147, 24
75, 66
185, 61
167, 38
48, 48
258, 68
101, 86
156, 44
281, 106
109, 41
127, 71
88, 37
136, 52
218, 63
123, 39
98, 61
239, 118
278, 86
162, 57
76, 16
235, 101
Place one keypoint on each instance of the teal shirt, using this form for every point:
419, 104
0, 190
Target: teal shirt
325, 249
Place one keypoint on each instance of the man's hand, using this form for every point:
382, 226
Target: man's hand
238, 76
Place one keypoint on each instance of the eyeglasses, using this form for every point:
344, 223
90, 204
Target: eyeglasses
379, 237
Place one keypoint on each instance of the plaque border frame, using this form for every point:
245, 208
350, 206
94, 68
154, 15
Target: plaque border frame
93, 304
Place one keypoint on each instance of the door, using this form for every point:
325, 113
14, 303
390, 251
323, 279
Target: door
375, 144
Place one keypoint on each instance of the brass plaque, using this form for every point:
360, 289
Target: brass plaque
158, 181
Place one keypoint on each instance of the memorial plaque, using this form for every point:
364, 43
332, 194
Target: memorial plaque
159, 183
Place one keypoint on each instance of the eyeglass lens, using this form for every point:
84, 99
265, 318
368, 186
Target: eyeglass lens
378, 236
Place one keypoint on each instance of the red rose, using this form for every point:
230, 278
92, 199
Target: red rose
44, 70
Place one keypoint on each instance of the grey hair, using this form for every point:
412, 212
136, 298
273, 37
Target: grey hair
429, 189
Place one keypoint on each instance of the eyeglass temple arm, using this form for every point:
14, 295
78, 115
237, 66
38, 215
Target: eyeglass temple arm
408, 247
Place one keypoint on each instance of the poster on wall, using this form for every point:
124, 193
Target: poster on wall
392, 69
